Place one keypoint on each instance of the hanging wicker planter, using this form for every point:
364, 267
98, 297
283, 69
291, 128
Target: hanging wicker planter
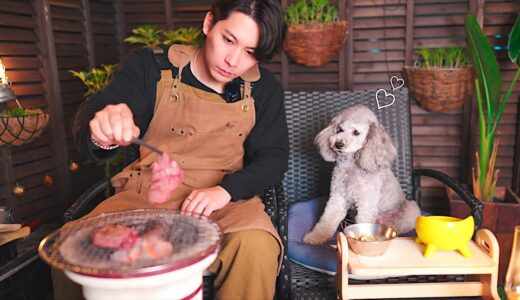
19, 130
440, 89
315, 44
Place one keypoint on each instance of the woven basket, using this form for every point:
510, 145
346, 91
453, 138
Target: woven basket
315, 45
17, 131
438, 89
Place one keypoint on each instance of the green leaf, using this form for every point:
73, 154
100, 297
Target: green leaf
483, 157
310, 12
183, 35
95, 79
145, 34
514, 42
484, 63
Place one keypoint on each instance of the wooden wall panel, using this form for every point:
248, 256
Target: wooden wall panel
104, 31
379, 42
185, 14
73, 45
138, 12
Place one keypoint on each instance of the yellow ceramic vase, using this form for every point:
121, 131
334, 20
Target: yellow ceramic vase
444, 233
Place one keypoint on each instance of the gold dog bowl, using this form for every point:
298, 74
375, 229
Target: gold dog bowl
369, 239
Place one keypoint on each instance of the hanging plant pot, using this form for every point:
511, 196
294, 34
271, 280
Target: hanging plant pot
21, 129
440, 89
315, 44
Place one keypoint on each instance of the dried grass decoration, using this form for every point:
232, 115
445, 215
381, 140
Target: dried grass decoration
315, 33
20, 126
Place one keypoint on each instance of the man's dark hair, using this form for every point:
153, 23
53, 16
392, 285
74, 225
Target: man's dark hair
266, 13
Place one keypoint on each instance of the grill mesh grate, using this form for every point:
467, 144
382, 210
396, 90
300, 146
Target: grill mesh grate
70, 248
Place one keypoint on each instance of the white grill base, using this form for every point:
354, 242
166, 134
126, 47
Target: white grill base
178, 284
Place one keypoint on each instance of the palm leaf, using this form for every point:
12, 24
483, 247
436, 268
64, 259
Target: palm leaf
485, 63
513, 44
483, 146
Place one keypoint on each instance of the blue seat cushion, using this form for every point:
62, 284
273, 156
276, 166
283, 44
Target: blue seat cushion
302, 217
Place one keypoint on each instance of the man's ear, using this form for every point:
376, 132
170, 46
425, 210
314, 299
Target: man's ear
208, 22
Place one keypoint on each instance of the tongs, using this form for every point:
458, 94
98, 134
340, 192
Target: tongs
139, 141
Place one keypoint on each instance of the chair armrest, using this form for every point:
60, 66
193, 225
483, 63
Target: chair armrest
269, 199
276, 207
468, 197
283, 283
86, 201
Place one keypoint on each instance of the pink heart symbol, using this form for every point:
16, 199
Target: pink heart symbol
379, 106
398, 80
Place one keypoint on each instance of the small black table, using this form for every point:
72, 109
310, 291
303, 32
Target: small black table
26, 276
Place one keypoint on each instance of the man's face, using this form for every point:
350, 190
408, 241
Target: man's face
230, 47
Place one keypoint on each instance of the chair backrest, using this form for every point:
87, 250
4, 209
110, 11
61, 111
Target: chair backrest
309, 112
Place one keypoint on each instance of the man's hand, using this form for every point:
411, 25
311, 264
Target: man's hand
113, 125
205, 201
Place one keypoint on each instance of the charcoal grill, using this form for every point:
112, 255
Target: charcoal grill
195, 244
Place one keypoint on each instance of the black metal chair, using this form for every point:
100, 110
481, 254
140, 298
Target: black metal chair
309, 175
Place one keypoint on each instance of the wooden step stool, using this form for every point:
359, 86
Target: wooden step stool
404, 258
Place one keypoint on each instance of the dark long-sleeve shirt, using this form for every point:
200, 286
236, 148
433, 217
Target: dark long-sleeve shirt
134, 83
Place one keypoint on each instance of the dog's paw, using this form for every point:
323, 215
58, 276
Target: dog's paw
313, 238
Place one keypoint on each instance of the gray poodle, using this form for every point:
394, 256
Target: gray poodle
362, 177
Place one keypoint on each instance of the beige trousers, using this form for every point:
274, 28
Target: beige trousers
246, 269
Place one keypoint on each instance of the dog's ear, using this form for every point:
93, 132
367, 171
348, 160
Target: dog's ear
322, 141
378, 151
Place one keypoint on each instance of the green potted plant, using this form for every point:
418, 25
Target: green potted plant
146, 34
441, 80
501, 206
315, 33
183, 35
96, 79
490, 103
150, 35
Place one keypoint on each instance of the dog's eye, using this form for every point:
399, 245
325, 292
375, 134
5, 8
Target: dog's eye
355, 132
339, 130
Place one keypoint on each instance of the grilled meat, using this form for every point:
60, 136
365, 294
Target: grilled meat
113, 236
151, 244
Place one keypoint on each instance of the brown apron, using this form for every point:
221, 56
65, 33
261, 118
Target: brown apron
206, 136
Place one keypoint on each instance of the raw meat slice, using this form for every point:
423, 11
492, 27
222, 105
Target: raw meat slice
166, 177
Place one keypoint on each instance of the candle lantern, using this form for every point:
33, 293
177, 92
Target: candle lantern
6, 93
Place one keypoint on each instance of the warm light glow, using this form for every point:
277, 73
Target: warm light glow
3, 77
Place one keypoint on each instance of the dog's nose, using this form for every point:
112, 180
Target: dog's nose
339, 145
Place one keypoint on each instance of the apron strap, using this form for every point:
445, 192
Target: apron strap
166, 81
247, 90
179, 56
